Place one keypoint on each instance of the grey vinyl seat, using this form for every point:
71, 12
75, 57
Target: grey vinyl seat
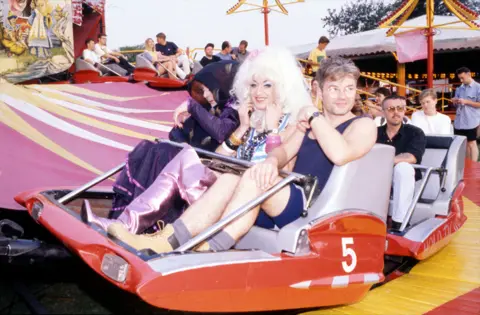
363, 185
144, 61
82, 65
440, 152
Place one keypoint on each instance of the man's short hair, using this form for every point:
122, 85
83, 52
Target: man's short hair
225, 44
101, 35
335, 68
383, 91
209, 45
161, 35
244, 42
428, 93
462, 70
88, 40
323, 40
392, 98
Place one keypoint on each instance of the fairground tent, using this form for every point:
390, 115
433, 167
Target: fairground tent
376, 41
66, 135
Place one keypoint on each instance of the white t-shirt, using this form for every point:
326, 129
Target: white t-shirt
101, 50
91, 55
438, 124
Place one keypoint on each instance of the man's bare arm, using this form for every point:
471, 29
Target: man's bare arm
405, 157
288, 150
355, 142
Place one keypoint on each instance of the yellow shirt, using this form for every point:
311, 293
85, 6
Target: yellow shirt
317, 56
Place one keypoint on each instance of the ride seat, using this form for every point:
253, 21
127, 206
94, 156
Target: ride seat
361, 185
446, 152
82, 65
143, 61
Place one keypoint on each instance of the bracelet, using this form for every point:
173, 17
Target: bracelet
229, 144
234, 140
226, 148
273, 141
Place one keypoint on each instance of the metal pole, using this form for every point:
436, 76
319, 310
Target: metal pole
225, 158
90, 184
109, 69
417, 196
430, 58
234, 215
430, 16
265, 11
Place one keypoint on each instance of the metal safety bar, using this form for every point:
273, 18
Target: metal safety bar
90, 184
229, 159
418, 194
235, 214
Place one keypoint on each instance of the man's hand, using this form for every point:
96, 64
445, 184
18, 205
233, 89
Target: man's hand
234, 57
181, 114
116, 59
305, 113
244, 114
265, 173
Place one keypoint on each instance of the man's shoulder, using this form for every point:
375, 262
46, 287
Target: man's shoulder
418, 114
413, 130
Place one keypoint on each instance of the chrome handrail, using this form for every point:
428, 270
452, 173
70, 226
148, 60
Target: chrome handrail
235, 214
91, 183
418, 194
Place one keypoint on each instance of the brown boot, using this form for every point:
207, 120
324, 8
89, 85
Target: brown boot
202, 247
158, 242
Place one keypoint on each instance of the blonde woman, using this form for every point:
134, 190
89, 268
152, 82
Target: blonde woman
162, 63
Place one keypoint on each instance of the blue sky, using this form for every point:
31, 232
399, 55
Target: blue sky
195, 22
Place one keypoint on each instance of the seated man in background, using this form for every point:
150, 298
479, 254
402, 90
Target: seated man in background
226, 53
409, 143
209, 57
241, 52
428, 119
170, 49
91, 57
108, 56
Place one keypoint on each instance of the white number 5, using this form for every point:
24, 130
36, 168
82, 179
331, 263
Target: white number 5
348, 252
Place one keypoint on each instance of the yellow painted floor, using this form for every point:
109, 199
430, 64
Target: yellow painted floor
452, 272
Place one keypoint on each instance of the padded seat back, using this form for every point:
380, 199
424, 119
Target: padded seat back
434, 200
362, 185
82, 65
143, 60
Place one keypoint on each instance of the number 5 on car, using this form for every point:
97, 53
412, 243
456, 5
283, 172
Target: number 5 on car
346, 252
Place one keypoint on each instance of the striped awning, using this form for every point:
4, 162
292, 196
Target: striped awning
65, 135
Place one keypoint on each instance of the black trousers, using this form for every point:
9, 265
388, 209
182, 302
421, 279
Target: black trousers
123, 63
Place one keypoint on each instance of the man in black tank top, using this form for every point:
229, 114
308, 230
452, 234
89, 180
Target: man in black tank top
335, 137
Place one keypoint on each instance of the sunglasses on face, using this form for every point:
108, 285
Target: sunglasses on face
398, 108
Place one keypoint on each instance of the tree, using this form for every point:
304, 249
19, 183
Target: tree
364, 15
131, 56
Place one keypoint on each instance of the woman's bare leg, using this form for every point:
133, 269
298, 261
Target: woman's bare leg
246, 191
210, 207
160, 70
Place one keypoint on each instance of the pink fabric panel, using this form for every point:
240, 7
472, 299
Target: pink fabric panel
411, 46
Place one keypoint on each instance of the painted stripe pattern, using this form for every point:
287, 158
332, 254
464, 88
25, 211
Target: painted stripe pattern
91, 127
340, 281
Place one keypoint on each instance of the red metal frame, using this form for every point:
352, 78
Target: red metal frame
439, 238
91, 76
150, 76
288, 282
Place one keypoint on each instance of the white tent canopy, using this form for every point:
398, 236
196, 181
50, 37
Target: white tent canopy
376, 41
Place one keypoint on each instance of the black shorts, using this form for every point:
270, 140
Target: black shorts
471, 134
